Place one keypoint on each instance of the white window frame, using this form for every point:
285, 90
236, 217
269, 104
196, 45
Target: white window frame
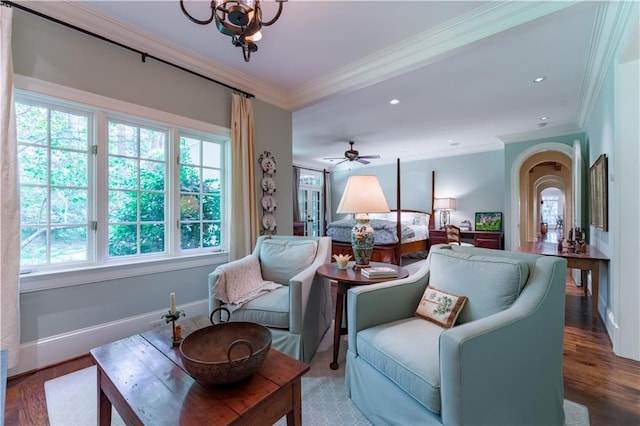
104, 108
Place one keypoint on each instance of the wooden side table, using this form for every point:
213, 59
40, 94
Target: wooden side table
345, 279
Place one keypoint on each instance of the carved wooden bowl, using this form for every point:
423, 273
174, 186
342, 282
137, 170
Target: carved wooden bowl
226, 352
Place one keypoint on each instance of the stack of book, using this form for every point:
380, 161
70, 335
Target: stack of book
379, 272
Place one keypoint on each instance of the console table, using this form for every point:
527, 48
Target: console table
485, 239
588, 261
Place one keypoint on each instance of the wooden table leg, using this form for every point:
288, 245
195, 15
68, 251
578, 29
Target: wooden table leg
595, 277
294, 418
104, 405
337, 326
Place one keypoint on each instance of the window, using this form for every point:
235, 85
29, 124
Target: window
137, 195
200, 195
54, 168
94, 197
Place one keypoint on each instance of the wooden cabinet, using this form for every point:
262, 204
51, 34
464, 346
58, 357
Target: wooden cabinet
437, 236
492, 240
484, 239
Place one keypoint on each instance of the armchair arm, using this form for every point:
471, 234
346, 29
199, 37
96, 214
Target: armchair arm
300, 288
481, 361
375, 304
235, 266
212, 280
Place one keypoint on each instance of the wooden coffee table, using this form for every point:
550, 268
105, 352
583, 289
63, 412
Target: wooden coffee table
142, 376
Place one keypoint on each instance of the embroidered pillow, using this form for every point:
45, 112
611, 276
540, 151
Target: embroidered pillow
440, 307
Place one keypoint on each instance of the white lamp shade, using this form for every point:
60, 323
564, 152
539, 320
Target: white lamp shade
444, 204
363, 194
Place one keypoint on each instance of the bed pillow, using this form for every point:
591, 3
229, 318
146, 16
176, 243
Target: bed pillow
440, 307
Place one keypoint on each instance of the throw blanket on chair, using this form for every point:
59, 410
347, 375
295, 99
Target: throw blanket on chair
241, 281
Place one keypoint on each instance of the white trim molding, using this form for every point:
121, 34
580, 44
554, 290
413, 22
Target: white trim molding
62, 347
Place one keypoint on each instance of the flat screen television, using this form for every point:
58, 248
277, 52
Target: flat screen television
489, 221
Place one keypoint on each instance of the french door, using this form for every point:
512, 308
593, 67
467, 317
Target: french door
310, 200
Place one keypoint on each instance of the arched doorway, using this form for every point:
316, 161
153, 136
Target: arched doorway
540, 167
552, 212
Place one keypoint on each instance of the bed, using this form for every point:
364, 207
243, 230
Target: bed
388, 248
411, 225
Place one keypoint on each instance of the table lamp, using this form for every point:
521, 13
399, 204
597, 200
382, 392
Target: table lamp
362, 195
445, 205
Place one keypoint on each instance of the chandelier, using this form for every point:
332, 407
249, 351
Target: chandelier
239, 19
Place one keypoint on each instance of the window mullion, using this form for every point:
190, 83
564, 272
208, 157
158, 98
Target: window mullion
100, 201
173, 193
92, 195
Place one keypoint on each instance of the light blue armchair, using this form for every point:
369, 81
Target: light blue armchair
501, 364
298, 313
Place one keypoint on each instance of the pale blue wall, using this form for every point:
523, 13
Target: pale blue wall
476, 182
51, 52
601, 140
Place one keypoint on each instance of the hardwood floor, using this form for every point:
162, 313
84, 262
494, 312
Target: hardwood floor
593, 376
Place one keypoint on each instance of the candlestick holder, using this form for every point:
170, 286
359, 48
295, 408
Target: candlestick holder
176, 334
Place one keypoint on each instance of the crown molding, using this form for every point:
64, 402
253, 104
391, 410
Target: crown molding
75, 14
406, 56
615, 21
427, 47
544, 133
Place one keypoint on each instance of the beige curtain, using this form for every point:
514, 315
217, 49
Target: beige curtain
244, 201
9, 200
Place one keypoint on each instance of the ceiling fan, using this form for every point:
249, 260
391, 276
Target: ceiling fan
352, 155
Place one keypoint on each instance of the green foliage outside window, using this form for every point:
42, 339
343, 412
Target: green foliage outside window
55, 164
53, 157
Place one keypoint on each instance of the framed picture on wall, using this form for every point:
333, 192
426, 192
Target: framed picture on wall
599, 193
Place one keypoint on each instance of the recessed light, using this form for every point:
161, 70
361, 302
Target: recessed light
394, 101
539, 79
544, 118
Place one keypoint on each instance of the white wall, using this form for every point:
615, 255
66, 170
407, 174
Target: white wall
613, 130
625, 176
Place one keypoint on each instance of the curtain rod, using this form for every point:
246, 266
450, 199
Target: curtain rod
143, 55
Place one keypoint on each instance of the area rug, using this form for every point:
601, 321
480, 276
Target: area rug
71, 399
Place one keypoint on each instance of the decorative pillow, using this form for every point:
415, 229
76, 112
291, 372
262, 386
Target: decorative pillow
420, 219
491, 283
281, 259
440, 307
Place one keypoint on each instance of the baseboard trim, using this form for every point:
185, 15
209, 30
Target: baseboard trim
56, 349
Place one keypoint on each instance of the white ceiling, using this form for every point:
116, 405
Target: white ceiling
462, 70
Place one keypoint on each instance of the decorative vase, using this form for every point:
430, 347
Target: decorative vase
362, 238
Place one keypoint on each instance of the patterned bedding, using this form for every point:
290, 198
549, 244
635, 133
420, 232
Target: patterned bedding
414, 227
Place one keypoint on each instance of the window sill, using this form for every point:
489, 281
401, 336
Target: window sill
38, 281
